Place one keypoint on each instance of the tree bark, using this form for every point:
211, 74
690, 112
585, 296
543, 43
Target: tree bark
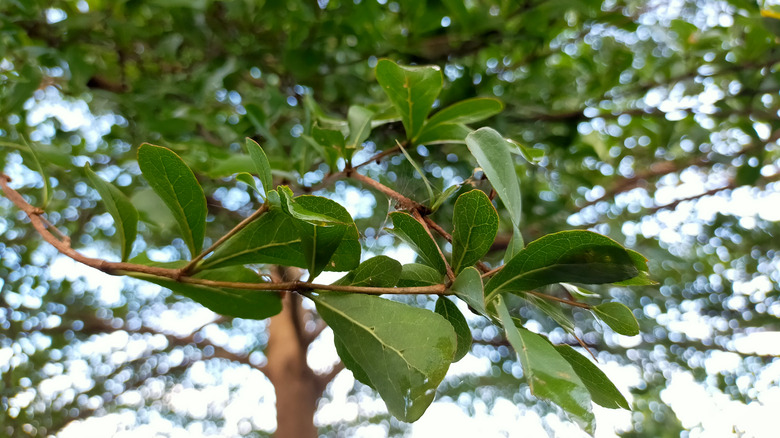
296, 385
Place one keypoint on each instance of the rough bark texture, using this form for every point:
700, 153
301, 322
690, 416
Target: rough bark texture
297, 387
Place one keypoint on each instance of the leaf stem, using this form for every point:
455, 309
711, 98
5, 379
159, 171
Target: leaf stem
416, 214
403, 202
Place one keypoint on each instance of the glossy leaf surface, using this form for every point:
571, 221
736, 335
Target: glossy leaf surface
177, 186
475, 223
567, 256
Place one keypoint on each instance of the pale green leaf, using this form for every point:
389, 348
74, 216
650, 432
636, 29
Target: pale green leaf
602, 390
383, 338
468, 287
516, 244
121, 210
359, 120
262, 166
177, 186
412, 90
451, 313
475, 223
618, 317
548, 374
492, 153
444, 196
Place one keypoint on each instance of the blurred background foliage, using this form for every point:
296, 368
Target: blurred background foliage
658, 121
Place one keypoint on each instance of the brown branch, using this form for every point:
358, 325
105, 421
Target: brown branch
122, 268
402, 201
322, 380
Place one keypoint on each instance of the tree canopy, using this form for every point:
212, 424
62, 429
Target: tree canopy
589, 177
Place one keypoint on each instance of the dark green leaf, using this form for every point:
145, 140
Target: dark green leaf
415, 274
238, 303
359, 120
413, 234
468, 287
475, 223
120, 208
350, 363
548, 374
567, 256
465, 112
618, 317
262, 166
492, 153
451, 313
383, 338
411, 89
296, 210
177, 186
602, 390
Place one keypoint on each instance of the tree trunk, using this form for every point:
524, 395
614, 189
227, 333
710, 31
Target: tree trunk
297, 386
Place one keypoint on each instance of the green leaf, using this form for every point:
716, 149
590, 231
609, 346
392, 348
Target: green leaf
602, 390
238, 303
359, 120
548, 374
567, 256
553, 310
383, 339
492, 153
120, 208
412, 90
152, 209
643, 279
272, 238
465, 112
262, 166
451, 313
446, 133
351, 364
177, 186
379, 271
413, 234
475, 223
468, 287
416, 274
38, 167
618, 317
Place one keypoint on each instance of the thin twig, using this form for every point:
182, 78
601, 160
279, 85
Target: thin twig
422, 222
259, 212
560, 300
